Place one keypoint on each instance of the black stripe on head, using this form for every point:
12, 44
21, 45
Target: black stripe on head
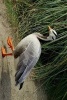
54, 33
52, 38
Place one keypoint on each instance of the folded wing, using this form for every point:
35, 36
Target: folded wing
27, 61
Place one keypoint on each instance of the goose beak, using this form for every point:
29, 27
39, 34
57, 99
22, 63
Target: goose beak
49, 28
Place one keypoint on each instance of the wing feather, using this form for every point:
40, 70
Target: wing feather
27, 61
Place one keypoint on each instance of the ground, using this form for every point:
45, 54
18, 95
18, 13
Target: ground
8, 90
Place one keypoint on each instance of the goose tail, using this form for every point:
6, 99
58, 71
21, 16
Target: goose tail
21, 85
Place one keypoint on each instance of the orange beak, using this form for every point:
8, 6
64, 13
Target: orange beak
49, 28
9, 42
4, 53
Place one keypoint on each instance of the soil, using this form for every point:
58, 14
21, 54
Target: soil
8, 90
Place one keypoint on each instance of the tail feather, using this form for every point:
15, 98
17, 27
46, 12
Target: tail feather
17, 77
21, 85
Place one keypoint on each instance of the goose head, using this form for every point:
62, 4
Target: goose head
52, 35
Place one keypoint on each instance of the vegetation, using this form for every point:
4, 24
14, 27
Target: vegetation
35, 15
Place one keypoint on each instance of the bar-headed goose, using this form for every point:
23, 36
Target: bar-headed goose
28, 50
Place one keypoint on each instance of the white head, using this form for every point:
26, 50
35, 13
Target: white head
52, 35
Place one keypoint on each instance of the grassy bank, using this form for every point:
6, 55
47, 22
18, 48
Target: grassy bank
27, 17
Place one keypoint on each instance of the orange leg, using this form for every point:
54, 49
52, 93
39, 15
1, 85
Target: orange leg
9, 42
4, 52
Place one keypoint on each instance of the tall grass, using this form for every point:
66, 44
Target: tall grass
52, 66
11, 13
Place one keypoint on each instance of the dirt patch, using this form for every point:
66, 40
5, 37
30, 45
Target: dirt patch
8, 90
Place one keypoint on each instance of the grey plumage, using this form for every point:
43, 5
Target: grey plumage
27, 61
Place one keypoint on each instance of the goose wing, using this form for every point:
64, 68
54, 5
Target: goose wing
27, 61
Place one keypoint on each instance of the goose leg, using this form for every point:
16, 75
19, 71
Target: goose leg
9, 42
4, 53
